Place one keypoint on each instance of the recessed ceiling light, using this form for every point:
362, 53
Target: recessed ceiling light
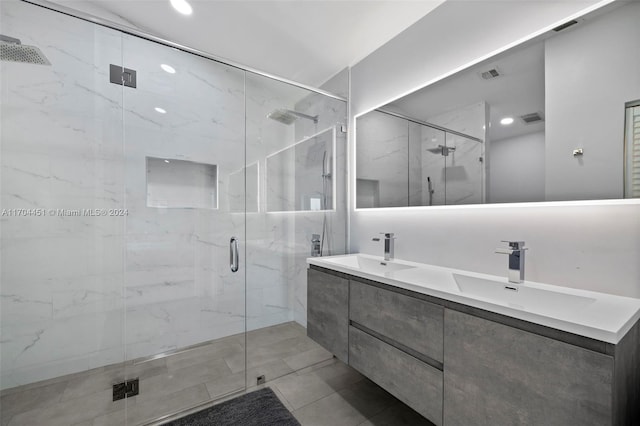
166, 161
506, 121
168, 68
182, 6
161, 110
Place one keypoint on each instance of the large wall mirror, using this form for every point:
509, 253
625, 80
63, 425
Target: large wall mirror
556, 118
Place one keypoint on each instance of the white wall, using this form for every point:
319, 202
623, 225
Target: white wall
517, 169
590, 71
451, 36
594, 246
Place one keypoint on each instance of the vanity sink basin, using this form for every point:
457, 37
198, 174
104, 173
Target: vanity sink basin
367, 264
599, 316
520, 296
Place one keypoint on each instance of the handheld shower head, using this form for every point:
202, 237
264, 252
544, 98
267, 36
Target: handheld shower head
288, 116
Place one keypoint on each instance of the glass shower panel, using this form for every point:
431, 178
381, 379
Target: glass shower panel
464, 170
62, 223
290, 131
185, 187
427, 183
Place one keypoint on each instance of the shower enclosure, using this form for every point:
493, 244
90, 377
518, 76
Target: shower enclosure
402, 161
137, 247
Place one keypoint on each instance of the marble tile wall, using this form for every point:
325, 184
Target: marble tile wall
61, 145
381, 158
79, 291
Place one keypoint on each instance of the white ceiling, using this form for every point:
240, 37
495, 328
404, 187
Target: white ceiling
307, 41
518, 91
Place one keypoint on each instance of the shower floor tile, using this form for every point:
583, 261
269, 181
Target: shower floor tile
317, 388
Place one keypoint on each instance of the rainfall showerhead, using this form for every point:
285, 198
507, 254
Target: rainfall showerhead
11, 49
442, 150
287, 116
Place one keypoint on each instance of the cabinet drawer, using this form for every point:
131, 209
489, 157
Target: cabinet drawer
411, 322
327, 312
498, 375
410, 380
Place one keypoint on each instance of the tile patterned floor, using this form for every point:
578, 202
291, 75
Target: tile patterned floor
315, 387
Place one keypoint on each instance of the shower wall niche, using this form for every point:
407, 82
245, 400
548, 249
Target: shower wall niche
181, 184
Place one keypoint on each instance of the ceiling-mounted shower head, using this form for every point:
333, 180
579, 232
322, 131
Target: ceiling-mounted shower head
11, 49
287, 116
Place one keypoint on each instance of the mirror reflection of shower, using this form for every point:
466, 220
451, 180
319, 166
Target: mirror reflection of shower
430, 190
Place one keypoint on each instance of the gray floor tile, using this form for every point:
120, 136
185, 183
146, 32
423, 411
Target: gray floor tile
302, 390
337, 375
332, 410
173, 381
117, 418
225, 385
323, 391
310, 357
70, 412
91, 383
319, 365
204, 354
154, 408
367, 397
397, 415
271, 371
30, 399
282, 398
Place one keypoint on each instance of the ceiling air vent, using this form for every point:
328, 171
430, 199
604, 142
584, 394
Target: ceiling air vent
565, 25
492, 73
535, 117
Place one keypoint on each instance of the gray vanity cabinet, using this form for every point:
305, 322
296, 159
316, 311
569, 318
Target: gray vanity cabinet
500, 375
328, 312
396, 340
413, 324
459, 366
412, 381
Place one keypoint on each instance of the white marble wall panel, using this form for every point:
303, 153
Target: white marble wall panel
382, 156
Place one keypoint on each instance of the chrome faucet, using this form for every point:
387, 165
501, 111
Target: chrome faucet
516, 260
315, 245
388, 244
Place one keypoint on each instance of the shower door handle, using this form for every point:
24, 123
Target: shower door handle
234, 262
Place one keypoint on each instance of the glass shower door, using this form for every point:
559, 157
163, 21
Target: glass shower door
184, 152
61, 308
296, 176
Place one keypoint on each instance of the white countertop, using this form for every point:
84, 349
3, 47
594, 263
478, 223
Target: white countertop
599, 316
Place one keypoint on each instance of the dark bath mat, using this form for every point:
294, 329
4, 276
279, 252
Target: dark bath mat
259, 408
